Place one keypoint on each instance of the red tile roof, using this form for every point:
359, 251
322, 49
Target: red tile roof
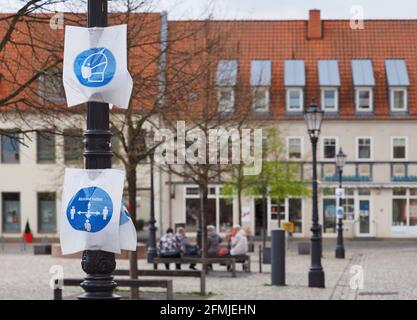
287, 39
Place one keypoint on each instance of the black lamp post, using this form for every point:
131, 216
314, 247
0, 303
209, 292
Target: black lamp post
99, 265
313, 117
340, 249
150, 136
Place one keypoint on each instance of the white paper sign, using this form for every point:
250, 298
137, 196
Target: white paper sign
340, 212
246, 214
95, 65
90, 212
127, 231
340, 193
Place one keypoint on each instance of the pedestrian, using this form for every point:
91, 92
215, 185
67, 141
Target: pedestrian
238, 242
213, 243
169, 247
187, 248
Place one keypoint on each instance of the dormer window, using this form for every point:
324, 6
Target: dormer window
364, 83
226, 83
329, 99
295, 100
226, 99
398, 99
397, 78
329, 81
260, 99
364, 99
260, 83
294, 79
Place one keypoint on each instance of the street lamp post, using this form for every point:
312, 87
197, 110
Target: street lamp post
98, 265
313, 117
340, 249
150, 135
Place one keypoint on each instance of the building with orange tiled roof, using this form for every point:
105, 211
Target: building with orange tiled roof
364, 79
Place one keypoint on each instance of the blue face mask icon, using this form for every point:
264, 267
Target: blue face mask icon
95, 67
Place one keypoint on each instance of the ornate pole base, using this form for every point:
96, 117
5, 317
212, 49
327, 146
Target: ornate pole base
316, 278
340, 248
98, 284
316, 273
340, 252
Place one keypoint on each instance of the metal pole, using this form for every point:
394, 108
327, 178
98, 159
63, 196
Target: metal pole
99, 265
316, 273
340, 249
152, 228
278, 257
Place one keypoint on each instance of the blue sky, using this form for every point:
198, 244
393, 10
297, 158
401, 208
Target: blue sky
275, 9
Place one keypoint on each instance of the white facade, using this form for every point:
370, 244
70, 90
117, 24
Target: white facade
381, 188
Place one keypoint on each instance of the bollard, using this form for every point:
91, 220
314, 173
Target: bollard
278, 257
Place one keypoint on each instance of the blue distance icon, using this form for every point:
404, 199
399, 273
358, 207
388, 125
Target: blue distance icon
90, 210
95, 67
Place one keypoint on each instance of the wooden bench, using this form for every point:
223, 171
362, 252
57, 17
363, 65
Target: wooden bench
167, 284
229, 261
169, 273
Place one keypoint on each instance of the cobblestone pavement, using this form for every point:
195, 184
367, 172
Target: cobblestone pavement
389, 272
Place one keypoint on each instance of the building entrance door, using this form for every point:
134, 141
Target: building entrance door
364, 218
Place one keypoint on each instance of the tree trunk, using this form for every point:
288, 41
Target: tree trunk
264, 219
239, 203
203, 215
133, 258
239, 194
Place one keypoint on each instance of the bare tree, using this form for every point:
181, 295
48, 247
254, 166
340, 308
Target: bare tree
195, 99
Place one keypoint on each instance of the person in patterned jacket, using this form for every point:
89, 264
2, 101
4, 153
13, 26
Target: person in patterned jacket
170, 247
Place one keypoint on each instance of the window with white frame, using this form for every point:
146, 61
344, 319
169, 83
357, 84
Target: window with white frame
399, 148
364, 99
404, 208
226, 99
295, 100
398, 99
260, 99
364, 148
294, 148
329, 148
329, 99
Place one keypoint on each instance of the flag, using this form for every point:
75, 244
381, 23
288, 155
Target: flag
95, 65
127, 230
90, 211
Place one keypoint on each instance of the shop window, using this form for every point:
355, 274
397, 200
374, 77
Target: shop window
11, 212
295, 214
46, 213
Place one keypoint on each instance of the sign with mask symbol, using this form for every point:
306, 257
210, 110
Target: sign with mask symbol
95, 66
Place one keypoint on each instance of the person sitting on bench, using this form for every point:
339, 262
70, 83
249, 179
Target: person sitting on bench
213, 244
187, 249
170, 247
238, 242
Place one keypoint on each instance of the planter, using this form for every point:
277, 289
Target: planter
28, 237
